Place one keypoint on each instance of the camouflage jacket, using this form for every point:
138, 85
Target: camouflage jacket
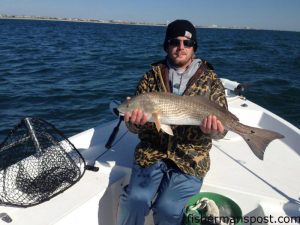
189, 148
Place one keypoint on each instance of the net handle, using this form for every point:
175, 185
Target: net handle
36, 143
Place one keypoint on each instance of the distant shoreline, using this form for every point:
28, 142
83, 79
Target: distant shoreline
79, 20
120, 22
105, 21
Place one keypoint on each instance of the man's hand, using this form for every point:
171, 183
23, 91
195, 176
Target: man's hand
137, 116
211, 124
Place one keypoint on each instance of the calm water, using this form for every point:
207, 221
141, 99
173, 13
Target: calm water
67, 73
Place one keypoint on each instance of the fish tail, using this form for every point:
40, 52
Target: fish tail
258, 139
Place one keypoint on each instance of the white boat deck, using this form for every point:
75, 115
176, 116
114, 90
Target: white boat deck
261, 188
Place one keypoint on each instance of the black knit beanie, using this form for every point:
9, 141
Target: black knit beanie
180, 28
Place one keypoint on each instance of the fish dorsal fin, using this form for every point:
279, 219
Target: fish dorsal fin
203, 99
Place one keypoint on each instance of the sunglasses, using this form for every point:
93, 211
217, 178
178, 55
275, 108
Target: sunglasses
176, 42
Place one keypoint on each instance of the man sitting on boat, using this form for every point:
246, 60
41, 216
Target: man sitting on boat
168, 170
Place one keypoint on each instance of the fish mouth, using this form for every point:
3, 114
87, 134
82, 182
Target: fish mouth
121, 114
117, 112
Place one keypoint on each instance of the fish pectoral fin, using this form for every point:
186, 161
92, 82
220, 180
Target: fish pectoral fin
167, 129
156, 120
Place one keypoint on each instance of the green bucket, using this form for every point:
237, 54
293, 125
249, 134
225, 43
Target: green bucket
229, 210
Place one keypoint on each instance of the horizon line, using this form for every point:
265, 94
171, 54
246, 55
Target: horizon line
124, 22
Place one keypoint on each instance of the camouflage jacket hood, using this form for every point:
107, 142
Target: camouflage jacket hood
189, 148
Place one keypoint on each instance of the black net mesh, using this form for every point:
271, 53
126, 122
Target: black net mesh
37, 162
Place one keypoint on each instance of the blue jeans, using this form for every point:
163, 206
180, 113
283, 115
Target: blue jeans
173, 189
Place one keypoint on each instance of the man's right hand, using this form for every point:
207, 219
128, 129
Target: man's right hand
137, 116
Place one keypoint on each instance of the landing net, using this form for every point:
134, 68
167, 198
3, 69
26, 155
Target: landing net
37, 162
